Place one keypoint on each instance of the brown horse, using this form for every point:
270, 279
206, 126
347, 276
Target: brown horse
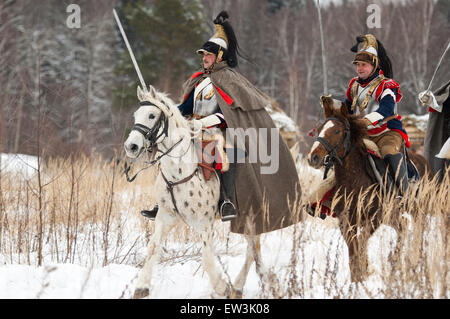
340, 144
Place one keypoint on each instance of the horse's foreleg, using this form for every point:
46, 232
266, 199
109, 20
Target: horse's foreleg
249, 259
163, 224
266, 276
357, 253
209, 264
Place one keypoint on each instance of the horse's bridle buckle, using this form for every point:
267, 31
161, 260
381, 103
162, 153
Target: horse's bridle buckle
326, 159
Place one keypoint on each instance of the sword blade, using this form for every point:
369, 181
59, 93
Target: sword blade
438, 65
136, 66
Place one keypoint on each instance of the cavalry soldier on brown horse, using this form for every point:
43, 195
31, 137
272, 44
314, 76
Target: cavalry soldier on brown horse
373, 94
358, 138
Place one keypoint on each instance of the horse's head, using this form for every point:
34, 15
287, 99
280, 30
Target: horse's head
333, 141
150, 122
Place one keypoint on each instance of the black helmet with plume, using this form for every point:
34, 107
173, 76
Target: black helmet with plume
223, 43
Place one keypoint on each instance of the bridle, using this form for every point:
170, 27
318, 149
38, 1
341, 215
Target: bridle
151, 136
332, 157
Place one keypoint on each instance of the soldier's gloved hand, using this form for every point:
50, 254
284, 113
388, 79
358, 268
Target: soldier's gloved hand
425, 98
367, 122
195, 125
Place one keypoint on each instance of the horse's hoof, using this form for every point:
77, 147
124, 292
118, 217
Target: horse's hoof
141, 293
232, 293
235, 294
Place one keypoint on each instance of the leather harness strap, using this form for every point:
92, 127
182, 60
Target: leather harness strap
332, 157
171, 185
206, 166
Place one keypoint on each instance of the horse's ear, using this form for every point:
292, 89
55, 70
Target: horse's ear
140, 94
152, 91
344, 109
327, 104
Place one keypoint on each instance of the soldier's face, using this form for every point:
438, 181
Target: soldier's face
208, 59
364, 69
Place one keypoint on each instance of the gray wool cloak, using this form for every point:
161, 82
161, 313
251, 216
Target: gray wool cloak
438, 129
264, 201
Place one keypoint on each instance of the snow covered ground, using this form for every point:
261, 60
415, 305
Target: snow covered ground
24, 165
322, 246
320, 263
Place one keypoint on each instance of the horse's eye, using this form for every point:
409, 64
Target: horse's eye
151, 116
338, 131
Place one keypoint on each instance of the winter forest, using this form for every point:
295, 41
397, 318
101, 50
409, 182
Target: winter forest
70, 223
70, 89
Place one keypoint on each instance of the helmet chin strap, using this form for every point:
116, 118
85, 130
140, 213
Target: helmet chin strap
219, 55
375, 67
217, 60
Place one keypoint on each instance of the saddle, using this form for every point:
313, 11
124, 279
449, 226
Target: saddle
377, 165
211, 154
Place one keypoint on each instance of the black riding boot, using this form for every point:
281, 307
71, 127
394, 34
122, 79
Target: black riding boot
150, 213
226, 206
397, 169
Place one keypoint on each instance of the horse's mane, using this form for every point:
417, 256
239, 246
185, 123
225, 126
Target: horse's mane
167, 106
358, 129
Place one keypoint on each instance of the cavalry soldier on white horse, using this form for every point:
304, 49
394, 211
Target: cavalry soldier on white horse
218, 96
257, 197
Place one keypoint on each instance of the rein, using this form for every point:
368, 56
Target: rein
151, 163
332, 158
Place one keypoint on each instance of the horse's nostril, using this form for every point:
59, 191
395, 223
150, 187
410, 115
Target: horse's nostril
134, 148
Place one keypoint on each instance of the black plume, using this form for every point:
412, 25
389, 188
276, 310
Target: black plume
230, 55
359, 39
221, 17
385, 62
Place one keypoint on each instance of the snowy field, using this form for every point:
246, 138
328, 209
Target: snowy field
185, 278
319, 262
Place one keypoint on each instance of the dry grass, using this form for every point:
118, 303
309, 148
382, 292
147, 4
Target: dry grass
408, 255
89, 215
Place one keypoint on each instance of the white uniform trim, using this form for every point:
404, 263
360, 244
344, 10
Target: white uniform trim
374, 117
387, 92
445, 150
210, 120
201, 86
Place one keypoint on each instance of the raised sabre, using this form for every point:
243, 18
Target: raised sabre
427, 97
136, 67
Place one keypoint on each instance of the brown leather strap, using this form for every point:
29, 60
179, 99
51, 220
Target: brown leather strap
389, 118
197, 117
206, 166
171, 185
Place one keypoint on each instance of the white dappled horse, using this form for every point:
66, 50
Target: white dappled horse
185, 194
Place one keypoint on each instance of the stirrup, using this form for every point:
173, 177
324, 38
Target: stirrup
151, 214
227, 210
